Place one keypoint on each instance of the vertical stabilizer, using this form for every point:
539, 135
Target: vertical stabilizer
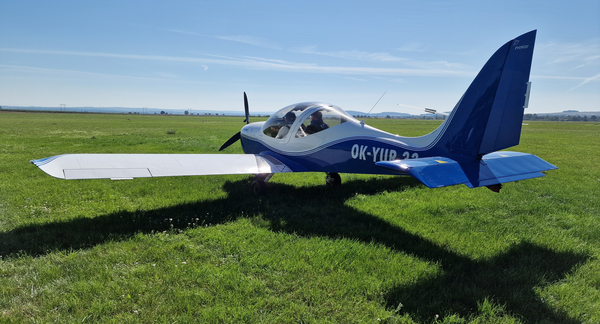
489, 115
506, 118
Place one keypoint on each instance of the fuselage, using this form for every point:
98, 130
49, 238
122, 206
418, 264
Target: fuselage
345, 146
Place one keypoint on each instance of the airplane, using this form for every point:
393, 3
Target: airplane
320, 137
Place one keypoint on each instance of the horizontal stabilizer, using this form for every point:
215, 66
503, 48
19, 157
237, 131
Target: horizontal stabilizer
433, 172
129, 166
493, 168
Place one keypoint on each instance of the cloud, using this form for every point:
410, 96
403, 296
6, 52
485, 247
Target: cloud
579, 53
171, 30
25, 69
167, 75
384, 57
178, 31
570, 59
258, 64
275, 61
437, 65
101, 54
588, 80
353, 55
556, 77
250, 40
413, 47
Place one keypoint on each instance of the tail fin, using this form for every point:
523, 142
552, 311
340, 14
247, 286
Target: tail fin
487, 118
489, 115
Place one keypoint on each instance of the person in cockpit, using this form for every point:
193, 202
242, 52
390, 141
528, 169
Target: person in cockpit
289, 119
316, 123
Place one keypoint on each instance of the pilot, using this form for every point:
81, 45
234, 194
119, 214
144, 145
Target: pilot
289, 119
316, 123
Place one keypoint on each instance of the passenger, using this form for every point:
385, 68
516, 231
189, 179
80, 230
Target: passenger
289, 119
316, 123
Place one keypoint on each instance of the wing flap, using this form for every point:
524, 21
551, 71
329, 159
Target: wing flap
128, 166
493, 168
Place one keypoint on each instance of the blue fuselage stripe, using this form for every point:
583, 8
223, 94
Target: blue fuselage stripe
343, 156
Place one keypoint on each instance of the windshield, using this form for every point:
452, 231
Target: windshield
286, 117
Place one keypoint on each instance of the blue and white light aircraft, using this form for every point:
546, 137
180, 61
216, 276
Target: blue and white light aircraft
319, 137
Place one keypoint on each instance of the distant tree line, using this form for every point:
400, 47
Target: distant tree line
578, 118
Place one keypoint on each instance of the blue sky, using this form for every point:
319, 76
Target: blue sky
205, 54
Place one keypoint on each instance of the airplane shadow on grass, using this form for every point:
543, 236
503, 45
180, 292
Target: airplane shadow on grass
508, 279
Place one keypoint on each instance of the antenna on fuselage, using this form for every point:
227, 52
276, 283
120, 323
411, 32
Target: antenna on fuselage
362, 122
427, 110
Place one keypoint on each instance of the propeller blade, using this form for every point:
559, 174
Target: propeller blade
232, 140
246, 109
238, 136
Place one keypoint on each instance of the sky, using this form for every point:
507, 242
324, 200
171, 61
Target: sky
202, 55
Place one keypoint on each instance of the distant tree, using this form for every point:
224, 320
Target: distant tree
593, 118
186, 112
162, 112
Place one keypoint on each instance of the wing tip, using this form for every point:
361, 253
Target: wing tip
42, 164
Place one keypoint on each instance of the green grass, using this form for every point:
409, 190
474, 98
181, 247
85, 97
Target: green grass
203, 249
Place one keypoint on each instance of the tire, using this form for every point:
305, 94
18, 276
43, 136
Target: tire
259, 188
333, 179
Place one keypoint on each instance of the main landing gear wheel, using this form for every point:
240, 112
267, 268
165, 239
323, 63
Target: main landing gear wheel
259, 187
333, 179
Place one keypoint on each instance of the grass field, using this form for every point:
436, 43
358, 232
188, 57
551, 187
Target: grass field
203, 249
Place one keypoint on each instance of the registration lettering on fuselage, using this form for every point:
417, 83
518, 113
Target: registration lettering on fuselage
364, 152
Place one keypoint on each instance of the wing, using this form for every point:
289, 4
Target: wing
129, 166
493, 168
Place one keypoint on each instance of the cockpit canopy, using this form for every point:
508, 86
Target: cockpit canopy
305, 119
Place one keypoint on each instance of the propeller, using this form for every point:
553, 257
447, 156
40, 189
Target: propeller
238, 135
246, 109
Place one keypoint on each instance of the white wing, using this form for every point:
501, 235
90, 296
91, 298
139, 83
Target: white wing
129, 166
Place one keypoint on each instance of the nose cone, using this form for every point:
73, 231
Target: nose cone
252, 130
250, 137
